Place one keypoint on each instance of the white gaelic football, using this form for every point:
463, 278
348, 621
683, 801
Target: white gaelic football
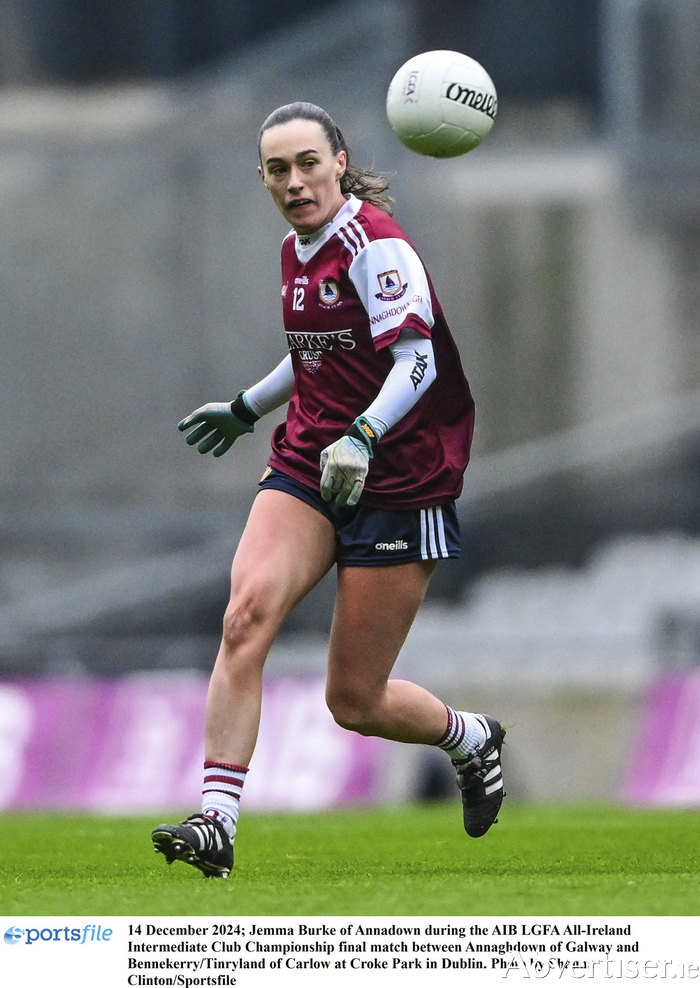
441, 103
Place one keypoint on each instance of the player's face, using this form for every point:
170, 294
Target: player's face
302, 173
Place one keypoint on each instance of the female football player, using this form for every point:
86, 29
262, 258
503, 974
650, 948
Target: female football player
363, 475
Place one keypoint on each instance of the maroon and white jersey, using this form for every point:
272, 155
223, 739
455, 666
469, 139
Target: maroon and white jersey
347, 292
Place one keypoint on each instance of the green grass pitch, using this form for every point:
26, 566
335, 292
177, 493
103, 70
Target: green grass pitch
539, 861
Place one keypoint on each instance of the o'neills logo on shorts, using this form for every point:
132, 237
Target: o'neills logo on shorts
391, 546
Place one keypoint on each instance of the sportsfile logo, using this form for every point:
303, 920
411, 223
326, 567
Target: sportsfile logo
91, 933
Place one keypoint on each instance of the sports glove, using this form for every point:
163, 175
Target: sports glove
345, 464
219, 425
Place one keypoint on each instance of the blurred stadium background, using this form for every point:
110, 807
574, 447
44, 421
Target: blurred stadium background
139, 278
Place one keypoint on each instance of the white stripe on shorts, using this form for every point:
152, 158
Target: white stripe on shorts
433, 543
441, 532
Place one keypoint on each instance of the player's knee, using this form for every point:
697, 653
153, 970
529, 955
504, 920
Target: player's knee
351, 710
247, 613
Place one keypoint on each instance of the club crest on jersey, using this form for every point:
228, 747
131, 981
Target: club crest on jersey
391, 286
328, 291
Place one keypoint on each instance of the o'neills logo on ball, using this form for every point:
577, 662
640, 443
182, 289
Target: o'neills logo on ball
477, 99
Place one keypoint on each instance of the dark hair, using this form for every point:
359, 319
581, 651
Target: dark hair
361, 182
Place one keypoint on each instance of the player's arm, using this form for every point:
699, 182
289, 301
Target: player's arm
412, 374
393, 287
220, 423
345, 463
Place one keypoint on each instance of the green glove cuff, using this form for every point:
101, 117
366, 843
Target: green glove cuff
361, 429
242, 410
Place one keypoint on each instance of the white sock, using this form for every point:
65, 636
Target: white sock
221, 793
465, 734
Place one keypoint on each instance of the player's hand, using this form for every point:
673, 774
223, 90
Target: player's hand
217, 428
344, 468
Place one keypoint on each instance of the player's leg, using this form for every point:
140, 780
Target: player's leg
374, 610
375, 607
286, 548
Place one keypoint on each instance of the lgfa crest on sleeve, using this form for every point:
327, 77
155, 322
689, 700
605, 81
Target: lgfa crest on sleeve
391, 286
328, 291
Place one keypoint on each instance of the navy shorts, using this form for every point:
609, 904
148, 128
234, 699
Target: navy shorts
375, 537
